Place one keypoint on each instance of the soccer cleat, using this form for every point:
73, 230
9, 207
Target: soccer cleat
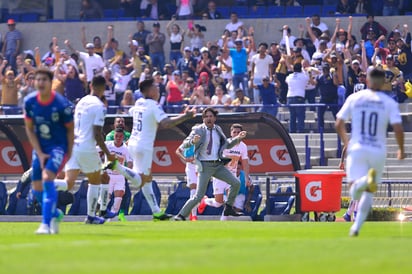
43, 229
347, 217
372, 186
193, 218
94, 220
179, 218
55, 221
121, 217
109, 215
161, 216
353, 233
110, 165
202, 206
230, 211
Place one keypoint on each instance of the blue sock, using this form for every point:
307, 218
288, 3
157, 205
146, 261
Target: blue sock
49, 201
38, 195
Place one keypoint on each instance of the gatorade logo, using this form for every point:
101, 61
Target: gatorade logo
10, 156
161, 157
280, 155
313, 191
255, 158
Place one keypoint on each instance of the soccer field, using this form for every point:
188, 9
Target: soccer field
206, 247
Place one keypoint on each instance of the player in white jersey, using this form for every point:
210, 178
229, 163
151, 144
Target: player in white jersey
236, 153
188, 156
371, 111
117, 183
147, 116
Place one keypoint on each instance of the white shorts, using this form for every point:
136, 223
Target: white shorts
219, 186
191, 174
142, 159
240, 201
87, 162
117, 182
359, 162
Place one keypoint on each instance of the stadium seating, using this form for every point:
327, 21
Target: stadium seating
274, 11
79, 206
19, 206
29, 17
311, 10
255, 202
140, 206
279, 204
328, 10
241, 11
292, 11
178, 198
259, 12
3, 198
224, 11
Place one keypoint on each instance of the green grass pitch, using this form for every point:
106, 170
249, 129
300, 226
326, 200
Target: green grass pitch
207, 247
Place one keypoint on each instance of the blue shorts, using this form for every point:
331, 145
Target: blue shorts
54, 163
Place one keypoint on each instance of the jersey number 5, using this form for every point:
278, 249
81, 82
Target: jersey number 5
139, 121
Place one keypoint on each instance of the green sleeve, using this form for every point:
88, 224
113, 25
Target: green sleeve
110, 136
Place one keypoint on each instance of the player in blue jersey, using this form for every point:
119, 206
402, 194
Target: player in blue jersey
188, 156
50, 130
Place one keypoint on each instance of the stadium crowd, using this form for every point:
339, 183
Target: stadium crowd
321, 64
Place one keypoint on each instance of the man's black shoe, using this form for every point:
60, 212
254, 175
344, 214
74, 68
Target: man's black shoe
230, 211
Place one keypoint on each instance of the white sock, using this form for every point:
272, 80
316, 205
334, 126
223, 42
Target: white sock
351, 207
104, 196
358, 187
92, 197
212, 202
130, 175
116, 204
147, 190
194, 210
60, 184
365, 204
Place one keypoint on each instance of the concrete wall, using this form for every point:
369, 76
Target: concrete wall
40, 34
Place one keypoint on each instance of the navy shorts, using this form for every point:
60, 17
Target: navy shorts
54, 163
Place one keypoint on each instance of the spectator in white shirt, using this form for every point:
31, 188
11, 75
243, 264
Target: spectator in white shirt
122, 80
289, 35
234, 24
262, 66
319, 24
297, 82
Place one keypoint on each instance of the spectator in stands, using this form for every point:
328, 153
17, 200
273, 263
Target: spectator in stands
176, 41
299, 44
188, 89
234, 24
239, 64
327, 84
361, 84
335, 61
174, 89
156, 10
310, 90
185, 9
297, 82
353, 72
93, 63
98, 48
405, 56
225, 66
377, 28
220, 98
268, 96
122, 80
211, 12
262, 67
90, 9
316, 23
130, 7
74, 83
141, 35
391, 7
109, 87
187, 63
393, 77
12, 43
205, 84
138, 62
346, 7
196, 36
205, 64
127, 102
156, 41
27, 88
240, 100
158, 82
201, 94
289, 36
10, 85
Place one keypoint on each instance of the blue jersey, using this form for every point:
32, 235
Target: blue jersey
49, 120
189, 152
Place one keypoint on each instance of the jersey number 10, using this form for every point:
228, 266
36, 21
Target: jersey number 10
372, 123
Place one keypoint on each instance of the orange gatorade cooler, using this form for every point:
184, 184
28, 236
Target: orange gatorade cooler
320, 189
